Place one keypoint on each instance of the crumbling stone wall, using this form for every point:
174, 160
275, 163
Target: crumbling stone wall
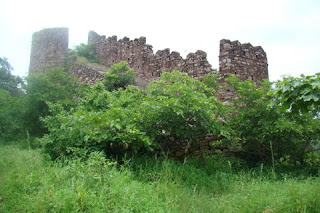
86, 73
49, 49
243, 60
140, 57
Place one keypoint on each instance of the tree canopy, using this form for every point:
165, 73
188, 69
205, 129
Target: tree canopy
9, 82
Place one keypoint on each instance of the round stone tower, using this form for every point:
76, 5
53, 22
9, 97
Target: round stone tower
49, 49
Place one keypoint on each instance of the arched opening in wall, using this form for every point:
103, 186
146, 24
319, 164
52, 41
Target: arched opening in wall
113, 61
128, 59
257, 57
235, 73
138, 67
232, 51
244, 53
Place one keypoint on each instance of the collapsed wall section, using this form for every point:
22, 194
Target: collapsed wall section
140, 57
49, 49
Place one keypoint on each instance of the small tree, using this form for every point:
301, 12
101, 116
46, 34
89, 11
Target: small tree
179, 109
9, 82
265, 132
119, 75
55, 86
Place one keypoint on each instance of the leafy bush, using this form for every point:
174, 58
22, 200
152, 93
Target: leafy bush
175, 108
87, 51
299, 93
181, 109
113, 131
265, 132
120, 75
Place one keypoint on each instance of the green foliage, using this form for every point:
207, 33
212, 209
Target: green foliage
211, 80
104, 121
113, 131
87, 51
119, 75
31, 184
11, 116
55, 86
9, 82
177, 108
180, 108
11, 103
299, 94
265, 132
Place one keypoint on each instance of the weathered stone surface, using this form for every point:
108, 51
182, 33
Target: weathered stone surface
49, 49
88, 73
140, 57
243, 60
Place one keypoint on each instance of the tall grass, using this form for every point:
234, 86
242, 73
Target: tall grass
29, 183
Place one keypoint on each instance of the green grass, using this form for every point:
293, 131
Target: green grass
29, 183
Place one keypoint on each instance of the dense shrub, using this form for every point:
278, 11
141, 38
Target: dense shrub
180, 108
175, 108
11, 116
120, 75
265, 132
87, 51
56, 86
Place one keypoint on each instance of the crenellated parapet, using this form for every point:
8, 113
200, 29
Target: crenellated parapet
50, 49
147, 64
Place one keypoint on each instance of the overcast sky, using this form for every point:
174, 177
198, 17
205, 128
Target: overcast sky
288, 30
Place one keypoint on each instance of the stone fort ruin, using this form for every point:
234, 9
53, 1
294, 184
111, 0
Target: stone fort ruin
50, 49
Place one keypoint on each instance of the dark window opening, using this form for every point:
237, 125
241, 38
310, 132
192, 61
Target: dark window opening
244, 53
235, 73
233, 51
128, 59
113, 61
138, 67
257, 56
